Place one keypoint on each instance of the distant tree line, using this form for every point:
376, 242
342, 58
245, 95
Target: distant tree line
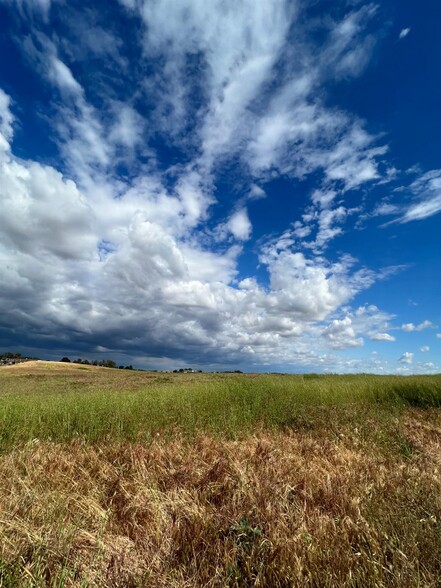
10, 358
10, 355
108, 363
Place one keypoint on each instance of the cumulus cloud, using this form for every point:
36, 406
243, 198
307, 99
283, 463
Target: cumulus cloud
406, 358
46, 214
364, 321
424, 349
340, 334
239, 225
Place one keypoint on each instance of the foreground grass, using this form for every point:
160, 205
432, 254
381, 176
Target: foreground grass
125, 480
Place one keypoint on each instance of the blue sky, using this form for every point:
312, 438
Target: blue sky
225, 184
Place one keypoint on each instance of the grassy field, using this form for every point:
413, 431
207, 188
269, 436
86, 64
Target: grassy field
122, 479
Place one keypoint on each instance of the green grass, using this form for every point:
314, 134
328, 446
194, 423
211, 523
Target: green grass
59, 406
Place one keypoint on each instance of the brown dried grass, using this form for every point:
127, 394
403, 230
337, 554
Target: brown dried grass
278, 508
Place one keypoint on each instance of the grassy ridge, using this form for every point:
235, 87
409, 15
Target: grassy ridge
98, 403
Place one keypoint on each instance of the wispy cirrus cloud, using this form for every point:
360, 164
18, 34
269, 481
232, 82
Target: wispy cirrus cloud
30, 8
425, 200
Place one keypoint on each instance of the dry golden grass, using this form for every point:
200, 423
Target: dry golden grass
279, 508
40, 365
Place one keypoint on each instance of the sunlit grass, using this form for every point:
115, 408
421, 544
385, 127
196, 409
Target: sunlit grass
106, 403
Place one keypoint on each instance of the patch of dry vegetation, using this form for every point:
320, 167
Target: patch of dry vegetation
278, 508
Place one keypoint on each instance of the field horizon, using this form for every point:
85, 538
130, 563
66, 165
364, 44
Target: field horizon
58, 364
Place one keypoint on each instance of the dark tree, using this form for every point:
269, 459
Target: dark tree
65, 359
108, 363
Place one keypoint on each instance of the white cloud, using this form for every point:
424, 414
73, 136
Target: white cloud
353, 159
239, 224
340, 334
330, 141
300, 231
382, 337
237, 49
128, 128
366, 320
46, 214
129, 4
424, 349
327, 222
423, 209
426, 196
404, 33
6, 120
438, 335
256, 192
62, 76
238, 46
88, 39
298, 135
385, 208
86, 145
348, 49
309, 288
406, 358
409, 327
323, 197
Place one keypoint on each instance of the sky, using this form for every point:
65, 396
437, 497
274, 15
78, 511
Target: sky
222, 185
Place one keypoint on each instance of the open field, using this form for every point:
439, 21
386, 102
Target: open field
119, 478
